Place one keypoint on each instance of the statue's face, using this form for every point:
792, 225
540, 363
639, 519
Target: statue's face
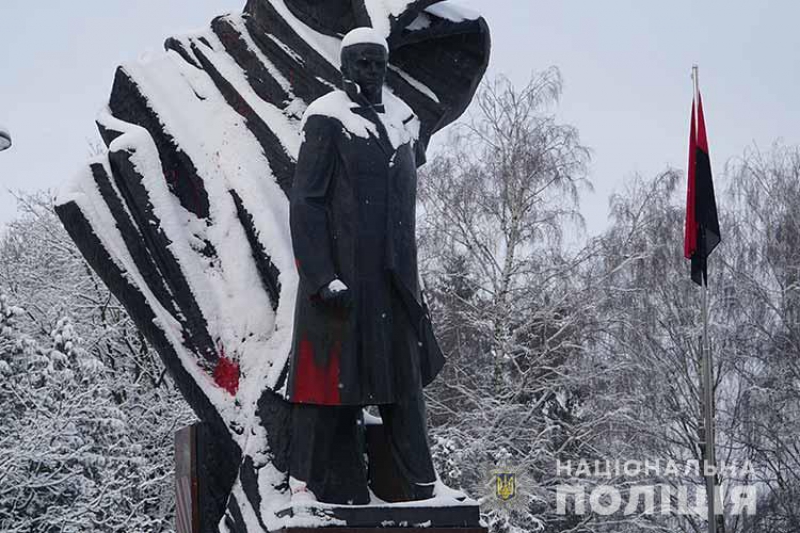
365, 64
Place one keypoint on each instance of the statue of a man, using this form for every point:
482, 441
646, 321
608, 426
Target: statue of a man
362, 335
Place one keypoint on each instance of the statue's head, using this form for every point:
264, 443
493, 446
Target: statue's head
365, 56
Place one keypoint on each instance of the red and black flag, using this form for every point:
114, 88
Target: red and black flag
702, 223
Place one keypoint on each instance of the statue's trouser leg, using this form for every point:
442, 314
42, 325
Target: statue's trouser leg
406, 430
327, 453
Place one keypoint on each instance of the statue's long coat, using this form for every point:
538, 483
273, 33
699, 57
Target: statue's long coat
353, 218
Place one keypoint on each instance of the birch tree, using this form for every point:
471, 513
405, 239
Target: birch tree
497, 203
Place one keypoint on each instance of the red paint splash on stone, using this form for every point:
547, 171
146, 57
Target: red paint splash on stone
226, 373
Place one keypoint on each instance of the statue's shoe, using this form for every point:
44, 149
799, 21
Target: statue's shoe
301, 494
421, 491
440, 490
437, 489
305, 497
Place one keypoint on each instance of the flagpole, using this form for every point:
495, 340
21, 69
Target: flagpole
709, 461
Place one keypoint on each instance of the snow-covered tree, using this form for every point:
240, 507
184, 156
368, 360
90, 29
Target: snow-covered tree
764, 261
86, 426
497, 202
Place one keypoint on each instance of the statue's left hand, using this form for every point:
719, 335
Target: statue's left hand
336, 294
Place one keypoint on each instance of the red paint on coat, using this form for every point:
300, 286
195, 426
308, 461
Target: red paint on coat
315, 384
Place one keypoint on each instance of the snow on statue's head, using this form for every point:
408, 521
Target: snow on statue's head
365, 56
364, 36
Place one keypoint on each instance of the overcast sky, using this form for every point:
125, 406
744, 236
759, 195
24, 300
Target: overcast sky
626, 67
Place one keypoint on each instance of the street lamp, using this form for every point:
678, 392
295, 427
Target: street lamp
5, 139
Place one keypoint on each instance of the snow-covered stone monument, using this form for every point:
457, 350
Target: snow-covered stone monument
187, 219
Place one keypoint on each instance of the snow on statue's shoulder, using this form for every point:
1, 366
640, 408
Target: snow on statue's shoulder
402, 125
337, 105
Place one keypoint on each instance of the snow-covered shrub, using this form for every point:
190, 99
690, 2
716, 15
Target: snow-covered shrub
86, 417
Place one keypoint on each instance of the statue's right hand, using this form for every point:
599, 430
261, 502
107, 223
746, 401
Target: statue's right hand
336, 294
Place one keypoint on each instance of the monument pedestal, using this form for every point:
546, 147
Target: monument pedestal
438, 516
203, 480
387, 530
